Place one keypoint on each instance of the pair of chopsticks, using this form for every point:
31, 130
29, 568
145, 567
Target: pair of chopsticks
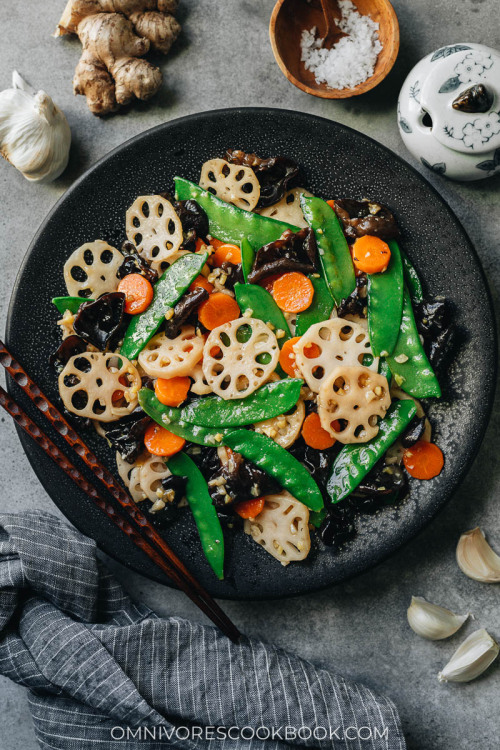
130, 520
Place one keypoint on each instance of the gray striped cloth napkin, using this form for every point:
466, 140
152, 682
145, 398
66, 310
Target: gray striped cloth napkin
104, 672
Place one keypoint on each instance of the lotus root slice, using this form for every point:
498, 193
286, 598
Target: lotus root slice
231, 183
350, 402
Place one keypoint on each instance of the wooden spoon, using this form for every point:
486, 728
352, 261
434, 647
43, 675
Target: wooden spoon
290, 17
332, 15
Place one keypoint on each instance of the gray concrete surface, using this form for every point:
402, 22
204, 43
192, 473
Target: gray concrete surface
224, 59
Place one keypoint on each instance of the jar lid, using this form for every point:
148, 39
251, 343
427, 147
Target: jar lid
470, 80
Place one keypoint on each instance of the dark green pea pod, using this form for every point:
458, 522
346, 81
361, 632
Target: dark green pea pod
334, 253
355, 461
247, 258
229, 223
385, 305
408, 363
316, 517
72, 304
320, 308
204, 513
170, 418
257, 299
268, 401
384, 370
167, 291
412, 279
278, 463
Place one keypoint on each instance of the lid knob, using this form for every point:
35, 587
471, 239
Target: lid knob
474, 99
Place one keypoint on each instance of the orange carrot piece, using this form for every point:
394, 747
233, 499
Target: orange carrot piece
423, 460
200, 245
250, 508
217, 243
203, 282
331, 203
370, 254
226, 254
138, 293
117, 395
172, 391
287, 358
218, 309
314, 434
161, 442
268, 281
293, 292
311, 351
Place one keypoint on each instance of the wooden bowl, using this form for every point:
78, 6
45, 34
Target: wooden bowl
291, 17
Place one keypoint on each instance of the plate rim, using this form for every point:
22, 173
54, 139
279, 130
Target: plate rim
307, 117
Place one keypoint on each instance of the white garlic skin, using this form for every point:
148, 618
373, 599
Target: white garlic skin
471, 658
476, 559
35, 136
432, 621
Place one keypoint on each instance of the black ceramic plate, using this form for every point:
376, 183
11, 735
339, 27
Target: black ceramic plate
337, 161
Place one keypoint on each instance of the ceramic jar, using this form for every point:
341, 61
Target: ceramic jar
449, 111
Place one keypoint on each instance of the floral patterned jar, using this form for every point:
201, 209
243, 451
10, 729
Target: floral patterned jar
449, 111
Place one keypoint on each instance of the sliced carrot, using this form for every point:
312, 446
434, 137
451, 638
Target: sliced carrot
268, 281
226, 254
423, 460
172, 391
218, 309
311, 351
287, 358
117, 395
161, 442
203, 282
217, 243
200, 245
314, 434
371, 254
293, 292
138, 293
331, 204
250, 508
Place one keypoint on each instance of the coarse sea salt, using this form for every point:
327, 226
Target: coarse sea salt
349, 62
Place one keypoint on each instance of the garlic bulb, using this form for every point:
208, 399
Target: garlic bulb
34, 134
476, 559
470, 659
431, 621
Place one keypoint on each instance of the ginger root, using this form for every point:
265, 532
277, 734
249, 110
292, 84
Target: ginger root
115, 35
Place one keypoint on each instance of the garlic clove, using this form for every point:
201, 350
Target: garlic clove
432, 621
471, 658
35, 136
476, 559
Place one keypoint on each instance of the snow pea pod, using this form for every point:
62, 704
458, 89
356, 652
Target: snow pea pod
204, 513
247, 258
229, 223
384, 370
261, 303
319, 310
268, 401
408, 363
167, 291
278, 463
355, 461
385, 304
72, 304
334, 254
412, 279
171, 418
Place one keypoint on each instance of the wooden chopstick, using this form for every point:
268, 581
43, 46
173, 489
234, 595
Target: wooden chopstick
167, 559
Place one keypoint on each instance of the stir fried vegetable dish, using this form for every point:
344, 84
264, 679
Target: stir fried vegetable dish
257, 356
